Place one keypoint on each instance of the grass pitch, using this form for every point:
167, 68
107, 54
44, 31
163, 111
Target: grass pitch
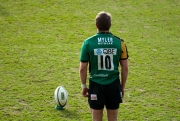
40, 43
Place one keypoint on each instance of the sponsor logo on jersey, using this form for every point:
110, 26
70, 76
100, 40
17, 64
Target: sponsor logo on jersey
105, 51
98, 52
100, 75
105, 40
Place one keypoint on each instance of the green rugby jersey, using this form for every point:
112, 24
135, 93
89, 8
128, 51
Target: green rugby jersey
103, 51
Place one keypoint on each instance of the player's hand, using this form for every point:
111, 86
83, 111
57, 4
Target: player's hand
85, 92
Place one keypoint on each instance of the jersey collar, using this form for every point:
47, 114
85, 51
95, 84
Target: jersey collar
104, 33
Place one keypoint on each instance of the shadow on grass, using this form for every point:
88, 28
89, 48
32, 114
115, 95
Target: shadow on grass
68, 114
3, 11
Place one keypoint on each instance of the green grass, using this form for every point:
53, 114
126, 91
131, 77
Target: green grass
40, 45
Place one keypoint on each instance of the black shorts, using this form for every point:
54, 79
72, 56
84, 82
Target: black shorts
105, 95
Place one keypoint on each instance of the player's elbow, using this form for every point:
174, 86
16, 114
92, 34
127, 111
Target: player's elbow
125, 67
83, 67
82, 70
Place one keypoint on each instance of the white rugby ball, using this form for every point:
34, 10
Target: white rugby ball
61, 96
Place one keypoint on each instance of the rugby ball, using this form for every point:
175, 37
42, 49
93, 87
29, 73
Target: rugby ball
61, 96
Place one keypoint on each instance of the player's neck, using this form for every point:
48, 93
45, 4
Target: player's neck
104, 31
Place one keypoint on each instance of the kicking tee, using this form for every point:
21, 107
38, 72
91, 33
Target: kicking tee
103, 51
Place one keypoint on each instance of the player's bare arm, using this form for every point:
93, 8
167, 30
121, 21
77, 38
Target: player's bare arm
124, 74
83, 77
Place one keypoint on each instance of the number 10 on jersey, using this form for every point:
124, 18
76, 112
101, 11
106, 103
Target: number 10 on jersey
105, 58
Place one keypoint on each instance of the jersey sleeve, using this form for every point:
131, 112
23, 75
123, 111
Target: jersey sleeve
84, 57
124, 54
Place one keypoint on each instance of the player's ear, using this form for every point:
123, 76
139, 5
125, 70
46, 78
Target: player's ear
96, 26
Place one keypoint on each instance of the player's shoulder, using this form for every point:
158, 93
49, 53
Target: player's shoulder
117, 37
89, 39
